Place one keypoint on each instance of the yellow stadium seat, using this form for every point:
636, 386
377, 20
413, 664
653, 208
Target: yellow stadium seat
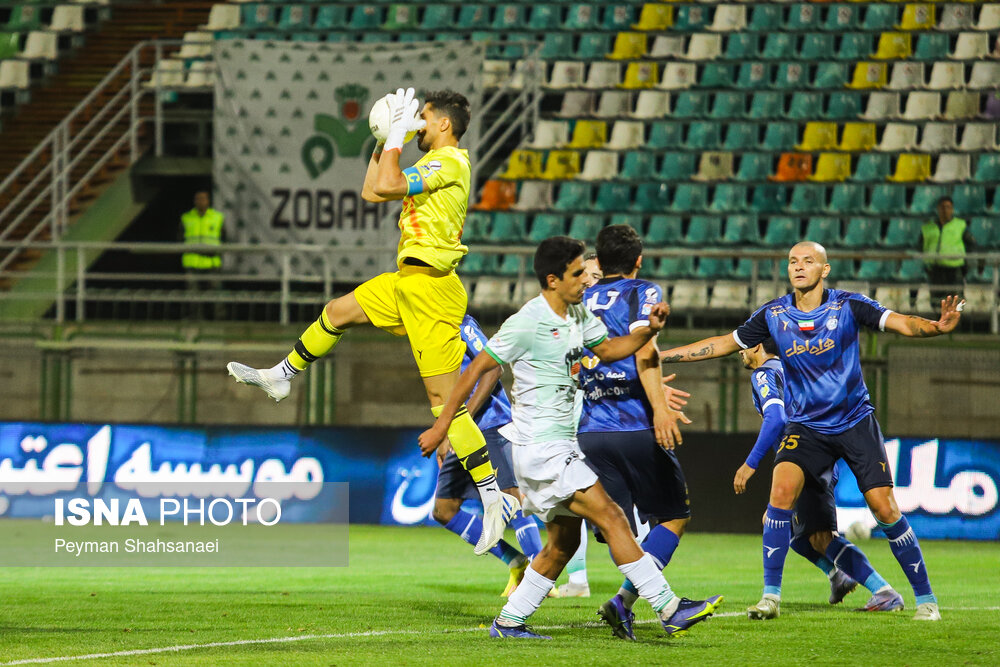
858, 137
655, 16
918, 16
818, 137
893, 46
641, 75
523, 165
832, 167
561, 165
793, 167
628, 46
869, 75
589, 134
912, 167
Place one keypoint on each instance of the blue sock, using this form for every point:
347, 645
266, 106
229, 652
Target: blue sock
853, 561
905, 547
469, 527
802, 547
777, 536
526, 530
660, 543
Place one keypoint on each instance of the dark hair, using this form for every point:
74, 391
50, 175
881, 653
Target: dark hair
553, 255
618, 249
590, 256
770, 347
453, 105
946, 198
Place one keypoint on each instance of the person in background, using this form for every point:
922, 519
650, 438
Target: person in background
945, 235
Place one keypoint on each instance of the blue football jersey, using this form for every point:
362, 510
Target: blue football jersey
819, 351
496, 410
613, 398
768, 382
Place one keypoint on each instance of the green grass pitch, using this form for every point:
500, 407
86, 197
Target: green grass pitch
415, 596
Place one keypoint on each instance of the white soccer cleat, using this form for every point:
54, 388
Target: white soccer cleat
276, 388
572, 590
768, 607
495, 518
928, 611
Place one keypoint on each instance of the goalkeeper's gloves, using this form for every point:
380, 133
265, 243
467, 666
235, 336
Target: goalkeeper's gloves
403, 109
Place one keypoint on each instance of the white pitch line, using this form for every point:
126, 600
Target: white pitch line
344, 635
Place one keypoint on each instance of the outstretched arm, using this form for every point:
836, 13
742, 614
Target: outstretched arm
432, 437
919, 327
708, 348
620, 347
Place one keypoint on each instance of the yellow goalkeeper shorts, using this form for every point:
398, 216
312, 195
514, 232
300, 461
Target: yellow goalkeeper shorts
424, 304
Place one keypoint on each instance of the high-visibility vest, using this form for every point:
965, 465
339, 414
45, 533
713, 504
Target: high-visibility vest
202, 230
944, 240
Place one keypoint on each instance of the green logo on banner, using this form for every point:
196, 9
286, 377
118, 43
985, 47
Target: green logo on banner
345, 135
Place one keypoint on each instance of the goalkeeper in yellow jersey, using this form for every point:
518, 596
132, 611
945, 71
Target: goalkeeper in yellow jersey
424, 299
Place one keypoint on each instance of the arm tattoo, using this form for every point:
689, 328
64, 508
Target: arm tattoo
690, 356
708, 349
672, 358
919, 329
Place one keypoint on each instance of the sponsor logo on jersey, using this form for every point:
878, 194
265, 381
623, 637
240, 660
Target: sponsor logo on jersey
818, 348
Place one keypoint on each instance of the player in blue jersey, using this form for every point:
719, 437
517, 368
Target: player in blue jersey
627, 430
490, 408
814, 523
830, 415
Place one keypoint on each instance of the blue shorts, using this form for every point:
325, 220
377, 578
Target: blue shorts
455, 482
816, 509
861, 447
634, 470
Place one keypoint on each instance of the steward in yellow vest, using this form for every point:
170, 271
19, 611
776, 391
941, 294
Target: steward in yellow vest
202, 226
945, 235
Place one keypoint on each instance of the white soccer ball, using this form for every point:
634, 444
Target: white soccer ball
379, 118
858, 531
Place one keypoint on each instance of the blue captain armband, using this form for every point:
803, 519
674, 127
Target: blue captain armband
414, 181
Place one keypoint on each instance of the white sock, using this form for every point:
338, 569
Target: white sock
649, 581
628, 598
578, 577
526, 598
283, 371
489, 490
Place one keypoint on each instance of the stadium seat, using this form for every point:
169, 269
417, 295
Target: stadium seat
793, 167
713, 166
841, 18
765, 18
741, 46
23, 17
902, 233
666, 134
561, 165
508, 17
992, 107
952, 168
651, 197
729, 18
868, 75
931, 46
534, 195
691, 17
741, 136
599, 166
841, 271
971, 46
862, 233
41, 46
678, 76
741, 230
917, 16
921, 106
879, 17
259, 15
925, 198
729, 294
716, 75
912, 270
400, 17
674, 268
169, 73
626, 134
581, 16
938, 137
855, 46
763, 105
753, 76
898, 137
589, 134
550, 134
911, 167
987, 168
703, 231
523, 164
546, 225
818, 136
556, 45
438, 16
807, 198
872, 167
688, 197
612, 197
961, 105
14, 75
664, 230
858, 137
955, 17
703, 136
628, 46
475, 264
790, 76
844, 106
201, 74
947, 76
667, 46
803, 16
875, 270
585, 226
10, 44
654, 16
577, 103
602, 75
893, 46
69, 19
612, 104
508, 228
847, 198
638, 166
745, 268
970, 199
832, 167
985, 75
727, 106
703, 46
633, 220
752, 165
497, 195
779, 46
640, 75
477, 226
887, 199
573, 196
894, 298
512, 265
830, 75
780, 136
714, 268
986, 232
768, 199
989, 17
544, 18
365, 17
692, 104
330, 17
729, 198
906, 76
677, 166
652, 104
593, 45
804, 106
781, 232
816, 46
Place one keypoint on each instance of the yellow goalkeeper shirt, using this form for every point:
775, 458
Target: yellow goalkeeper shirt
433, 216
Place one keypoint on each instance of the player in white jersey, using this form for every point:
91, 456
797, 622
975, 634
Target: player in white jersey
544, 343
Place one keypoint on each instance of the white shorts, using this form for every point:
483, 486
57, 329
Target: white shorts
549, 473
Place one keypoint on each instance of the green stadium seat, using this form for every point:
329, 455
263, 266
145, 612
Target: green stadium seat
703, 230
767, 105
23, 18
513, 265
612, 197
803, 16
872, 167
581, 16
844, 106
677, 166
875, 270
293, 17
544, 17
880, 16
847, 198
728, 105
666, 134
741, 136
10, 44
557, 45
401, 17
986, 232
925, 199
823, 230
765, 18
983, 277
830, 75
508, 228
546, 225
779, 46
365, 17
841, 269
573, 196
585, 226
816, 46
744, 268
478, 264
987, 167
781, 232
729, 198
716, 75
805, 106
674, 268
969, 199
807, 198
768, 199
887, 199
477, 226
855, 46
618, 17
902, 233
691, 18
752, 166
741, 46
651, 197
493, 49
633, 220
741, 230
753, 76
520, 44
691, 104
329, 17
996, 201
664, 230
438, 16
911, 271
714, 268
593, 46
862, 233
932, 46
703, 136
473, 17
257, 15
690, 197
508, 17
638, 166
841, 17
790, 76
780, 136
